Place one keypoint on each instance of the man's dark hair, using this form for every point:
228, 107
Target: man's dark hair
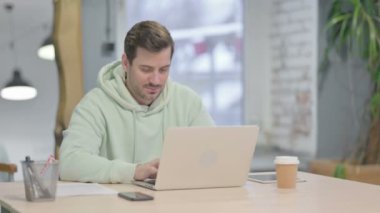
149, 35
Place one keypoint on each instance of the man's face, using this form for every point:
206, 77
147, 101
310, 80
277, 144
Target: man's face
147, 75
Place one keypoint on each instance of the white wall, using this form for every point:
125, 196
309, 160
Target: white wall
257, 66
27, 127
293, 81
280, 66
94, 16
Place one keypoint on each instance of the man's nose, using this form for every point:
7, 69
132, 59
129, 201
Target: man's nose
155, 78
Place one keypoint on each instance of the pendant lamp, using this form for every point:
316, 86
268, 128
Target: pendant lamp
16, 89
46, 51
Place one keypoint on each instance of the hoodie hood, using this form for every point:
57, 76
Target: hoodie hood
111, 81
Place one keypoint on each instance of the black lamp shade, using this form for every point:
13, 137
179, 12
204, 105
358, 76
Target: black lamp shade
17, 80
17, 89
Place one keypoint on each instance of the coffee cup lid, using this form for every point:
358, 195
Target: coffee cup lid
286, 160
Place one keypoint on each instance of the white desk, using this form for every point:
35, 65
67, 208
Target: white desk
318, 194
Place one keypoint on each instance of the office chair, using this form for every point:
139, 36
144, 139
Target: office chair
9, 169
6, 169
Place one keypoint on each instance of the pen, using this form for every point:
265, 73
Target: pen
33, 192
35, 181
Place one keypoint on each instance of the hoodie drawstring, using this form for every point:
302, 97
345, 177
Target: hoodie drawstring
134, 135
163, 124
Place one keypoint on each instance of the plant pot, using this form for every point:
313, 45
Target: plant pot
363, 173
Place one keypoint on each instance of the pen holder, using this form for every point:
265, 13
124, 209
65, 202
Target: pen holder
40, 179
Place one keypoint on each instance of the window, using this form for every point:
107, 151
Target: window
208, 36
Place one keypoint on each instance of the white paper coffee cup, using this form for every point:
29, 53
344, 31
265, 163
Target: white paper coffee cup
286, 171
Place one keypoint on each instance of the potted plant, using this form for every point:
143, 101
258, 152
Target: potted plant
353, 29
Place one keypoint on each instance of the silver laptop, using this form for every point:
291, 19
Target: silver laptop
204, 157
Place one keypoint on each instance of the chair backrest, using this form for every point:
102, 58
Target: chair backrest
9, 169
6, 169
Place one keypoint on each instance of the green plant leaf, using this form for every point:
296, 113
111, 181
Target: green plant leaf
335, 9
355, 25
336, 20
356, 16
373, 49
343, 33
340, 171
375, 104
370, 7
359, 36
377, 74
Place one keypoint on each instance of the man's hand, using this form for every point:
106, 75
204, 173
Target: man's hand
147, 170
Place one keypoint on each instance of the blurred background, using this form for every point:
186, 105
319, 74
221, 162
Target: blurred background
253, 62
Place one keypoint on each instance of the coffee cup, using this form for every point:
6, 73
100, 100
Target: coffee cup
286, 171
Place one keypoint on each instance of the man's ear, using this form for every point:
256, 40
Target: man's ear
124, 62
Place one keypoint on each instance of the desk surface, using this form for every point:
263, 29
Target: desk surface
318, 194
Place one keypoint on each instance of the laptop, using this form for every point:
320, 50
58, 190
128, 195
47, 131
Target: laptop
204, 157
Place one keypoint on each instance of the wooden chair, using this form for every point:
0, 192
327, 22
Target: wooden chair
8, 168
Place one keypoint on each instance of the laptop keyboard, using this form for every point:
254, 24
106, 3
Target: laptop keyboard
151, 181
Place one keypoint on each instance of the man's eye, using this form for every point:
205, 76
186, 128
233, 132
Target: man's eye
146, 69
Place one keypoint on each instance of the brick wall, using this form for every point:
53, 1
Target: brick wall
293, 74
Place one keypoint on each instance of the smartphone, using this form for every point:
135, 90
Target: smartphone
267, 178
135, 196
262, 178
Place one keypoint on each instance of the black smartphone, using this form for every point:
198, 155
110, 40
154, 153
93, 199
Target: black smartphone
135, 196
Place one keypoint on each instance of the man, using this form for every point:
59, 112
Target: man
117, 130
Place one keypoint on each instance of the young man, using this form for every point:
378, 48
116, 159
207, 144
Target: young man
117, 130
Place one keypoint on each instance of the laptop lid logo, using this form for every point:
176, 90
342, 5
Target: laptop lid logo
208, 158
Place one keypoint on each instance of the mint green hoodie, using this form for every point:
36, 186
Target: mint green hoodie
110, 133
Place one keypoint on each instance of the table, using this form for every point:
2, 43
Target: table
317, 194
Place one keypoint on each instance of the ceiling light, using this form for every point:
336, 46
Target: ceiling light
17, 89
46, 51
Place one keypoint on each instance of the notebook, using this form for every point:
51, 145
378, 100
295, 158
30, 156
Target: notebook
204, 157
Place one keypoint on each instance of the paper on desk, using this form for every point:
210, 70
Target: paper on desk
80, 189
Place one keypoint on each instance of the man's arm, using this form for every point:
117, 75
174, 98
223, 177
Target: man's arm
79, 153
147, 170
